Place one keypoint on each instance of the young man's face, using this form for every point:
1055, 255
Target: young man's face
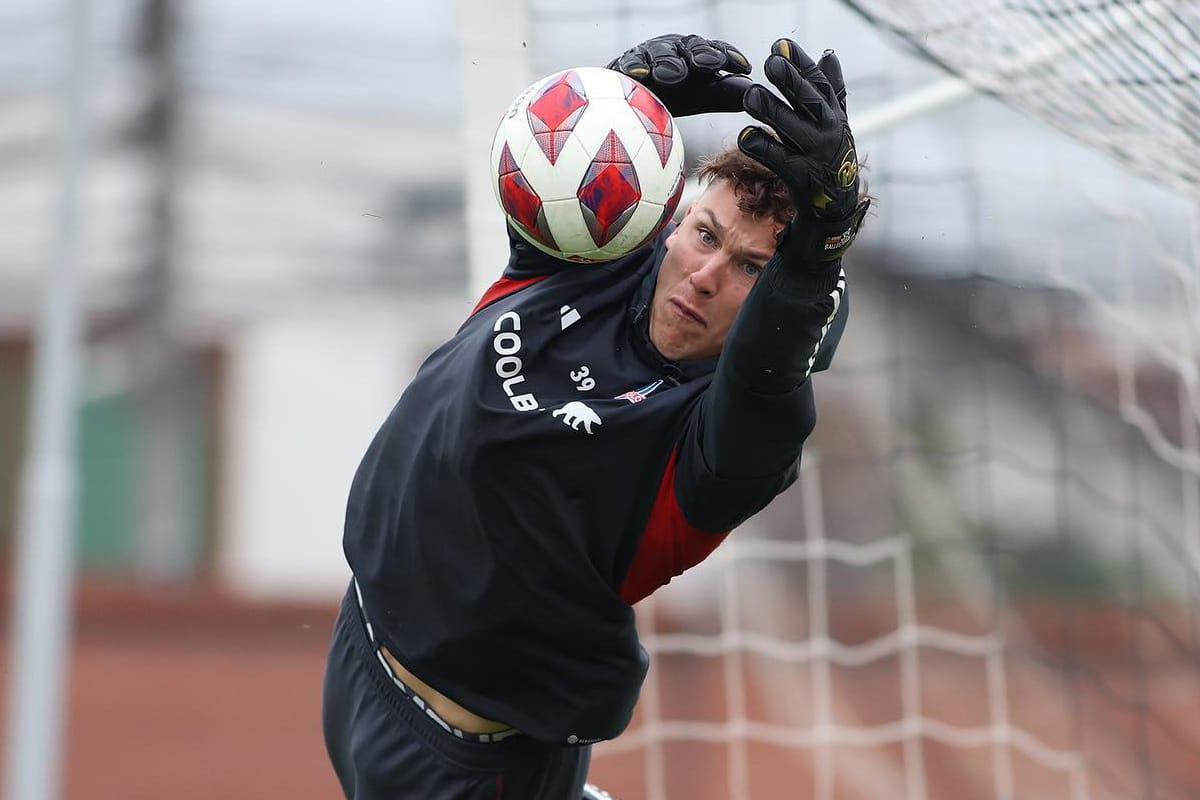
712, 261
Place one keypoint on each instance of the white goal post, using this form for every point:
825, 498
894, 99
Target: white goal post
493, 40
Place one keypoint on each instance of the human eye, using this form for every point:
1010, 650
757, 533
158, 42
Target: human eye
751, 269
707, 238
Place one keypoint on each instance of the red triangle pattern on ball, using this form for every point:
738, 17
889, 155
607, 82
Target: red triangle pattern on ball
555, 111
610, 191
654, 117
520, 201
673, 200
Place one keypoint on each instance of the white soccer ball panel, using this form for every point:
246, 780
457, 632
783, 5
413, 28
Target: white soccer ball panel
643, 224
604, 116
557, 181
601, 84
658, 180
565, 220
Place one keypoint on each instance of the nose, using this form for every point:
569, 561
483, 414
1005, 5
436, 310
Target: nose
706, 278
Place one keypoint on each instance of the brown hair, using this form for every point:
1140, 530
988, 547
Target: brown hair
760, 192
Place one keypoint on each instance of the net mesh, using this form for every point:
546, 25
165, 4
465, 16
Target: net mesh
986, 582
1123, 77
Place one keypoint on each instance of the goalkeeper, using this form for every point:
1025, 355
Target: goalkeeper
589, 433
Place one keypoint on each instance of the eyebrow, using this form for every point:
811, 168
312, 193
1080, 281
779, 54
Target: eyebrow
750, 255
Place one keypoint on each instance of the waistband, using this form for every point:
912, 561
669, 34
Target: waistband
482, 738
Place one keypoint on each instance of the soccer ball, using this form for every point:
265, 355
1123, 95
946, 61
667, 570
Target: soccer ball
587, 164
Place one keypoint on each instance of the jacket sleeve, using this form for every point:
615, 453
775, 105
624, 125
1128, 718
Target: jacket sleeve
743, 442
526, 265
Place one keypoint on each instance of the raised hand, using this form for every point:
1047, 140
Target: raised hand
812, 150
690, 74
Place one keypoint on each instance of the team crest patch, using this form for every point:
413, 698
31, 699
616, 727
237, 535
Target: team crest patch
638, 395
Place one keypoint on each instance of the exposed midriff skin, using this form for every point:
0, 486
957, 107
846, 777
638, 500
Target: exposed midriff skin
443, 706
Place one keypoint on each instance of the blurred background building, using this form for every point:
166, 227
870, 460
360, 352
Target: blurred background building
985, 584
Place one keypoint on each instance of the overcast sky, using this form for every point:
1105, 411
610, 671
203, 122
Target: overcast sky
377, 58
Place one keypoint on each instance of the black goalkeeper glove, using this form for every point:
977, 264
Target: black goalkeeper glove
814, 153
689, 74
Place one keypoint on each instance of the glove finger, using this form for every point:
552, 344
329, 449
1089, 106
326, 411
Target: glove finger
832, 68
633, 63
667, 66
772, 154
803, 62
763, 148
735, 61
801, 93
807, 68
712, 55
727, 93
702, 54
791, 126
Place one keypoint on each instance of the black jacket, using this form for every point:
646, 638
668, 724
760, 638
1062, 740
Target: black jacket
546, 468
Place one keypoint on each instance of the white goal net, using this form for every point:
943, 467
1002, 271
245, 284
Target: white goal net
986, 583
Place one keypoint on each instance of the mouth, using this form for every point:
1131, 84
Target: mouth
687, 312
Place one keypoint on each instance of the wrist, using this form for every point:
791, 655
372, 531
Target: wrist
808, 282
812, 241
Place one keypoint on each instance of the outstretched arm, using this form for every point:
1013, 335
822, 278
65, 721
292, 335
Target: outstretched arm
743, 441
748, 433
